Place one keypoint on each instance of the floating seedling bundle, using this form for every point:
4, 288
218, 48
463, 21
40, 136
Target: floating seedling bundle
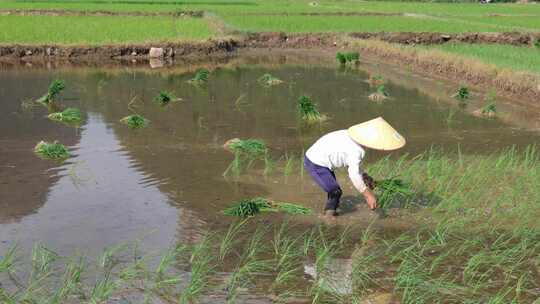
201, 77
54, 150
135, 121
344, 58
308, 110
389, 189
250, 207
69, 115
245, 151
380, 95
269, 80
164, 98
55, 88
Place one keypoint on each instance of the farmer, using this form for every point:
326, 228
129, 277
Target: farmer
345, 148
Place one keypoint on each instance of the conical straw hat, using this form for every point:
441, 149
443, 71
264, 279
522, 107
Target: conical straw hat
376, 134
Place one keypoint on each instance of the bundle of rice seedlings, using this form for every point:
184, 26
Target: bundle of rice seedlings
462, 94
490, 107
201, 76
135, 121
380, 95
69, 115
248, 207
388, 189
52, 150
250, 147
269, 80
253, 206
54, 89
164, 98
344, 58
308, 110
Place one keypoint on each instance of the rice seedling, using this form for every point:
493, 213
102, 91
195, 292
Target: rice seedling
308, 110
249, 147
7, 260
201, 270
164, 98
250, 207
69, 115
462, 94
229, 239
135, 121
54, 90
389, 189
350, 57
489, 109
268, 80
201, 77
54, 150
380, 95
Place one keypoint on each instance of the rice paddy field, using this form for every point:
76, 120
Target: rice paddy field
184, 182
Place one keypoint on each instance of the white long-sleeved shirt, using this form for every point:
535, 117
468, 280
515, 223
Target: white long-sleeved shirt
337, 150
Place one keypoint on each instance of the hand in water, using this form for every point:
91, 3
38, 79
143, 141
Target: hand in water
370, 199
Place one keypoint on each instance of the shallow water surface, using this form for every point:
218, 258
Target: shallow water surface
165, 184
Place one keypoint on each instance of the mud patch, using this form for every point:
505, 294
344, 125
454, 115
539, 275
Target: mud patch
511, 38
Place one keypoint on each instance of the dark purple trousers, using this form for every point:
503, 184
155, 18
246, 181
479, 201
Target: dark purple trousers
326, 179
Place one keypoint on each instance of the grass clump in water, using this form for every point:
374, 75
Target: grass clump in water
69, 115
201, 77
54, 90
54, 150
253, 206
251, 147
462, 94
380, 95
308, 110
490, 107
344, 58
268, 80
135, 121
164, 98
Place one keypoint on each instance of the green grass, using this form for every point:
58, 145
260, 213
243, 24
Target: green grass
96, 30
308, 24
506, 56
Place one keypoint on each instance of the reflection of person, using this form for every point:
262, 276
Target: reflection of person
345, 148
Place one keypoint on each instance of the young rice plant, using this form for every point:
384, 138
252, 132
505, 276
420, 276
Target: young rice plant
135, 121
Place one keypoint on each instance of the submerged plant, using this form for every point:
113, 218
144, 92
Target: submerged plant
164, 98
54, 89
201, 76
344, 58
462, 94
253, 206
308, 110
52, 150
69, 115
135, 121
269, 80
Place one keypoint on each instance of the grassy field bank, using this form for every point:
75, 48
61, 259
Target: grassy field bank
473, 238
94, 30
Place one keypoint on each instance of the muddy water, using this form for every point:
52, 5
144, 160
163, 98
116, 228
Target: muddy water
164, 184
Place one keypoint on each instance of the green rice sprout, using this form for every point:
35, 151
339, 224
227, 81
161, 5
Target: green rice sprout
462, 94
164, 98
201, 76
344, 58
381, 89
489, 108
55, 88
69, 115
250, 207
135, 121
250, 147
269, 80
54, 150
388, 189
308, 110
